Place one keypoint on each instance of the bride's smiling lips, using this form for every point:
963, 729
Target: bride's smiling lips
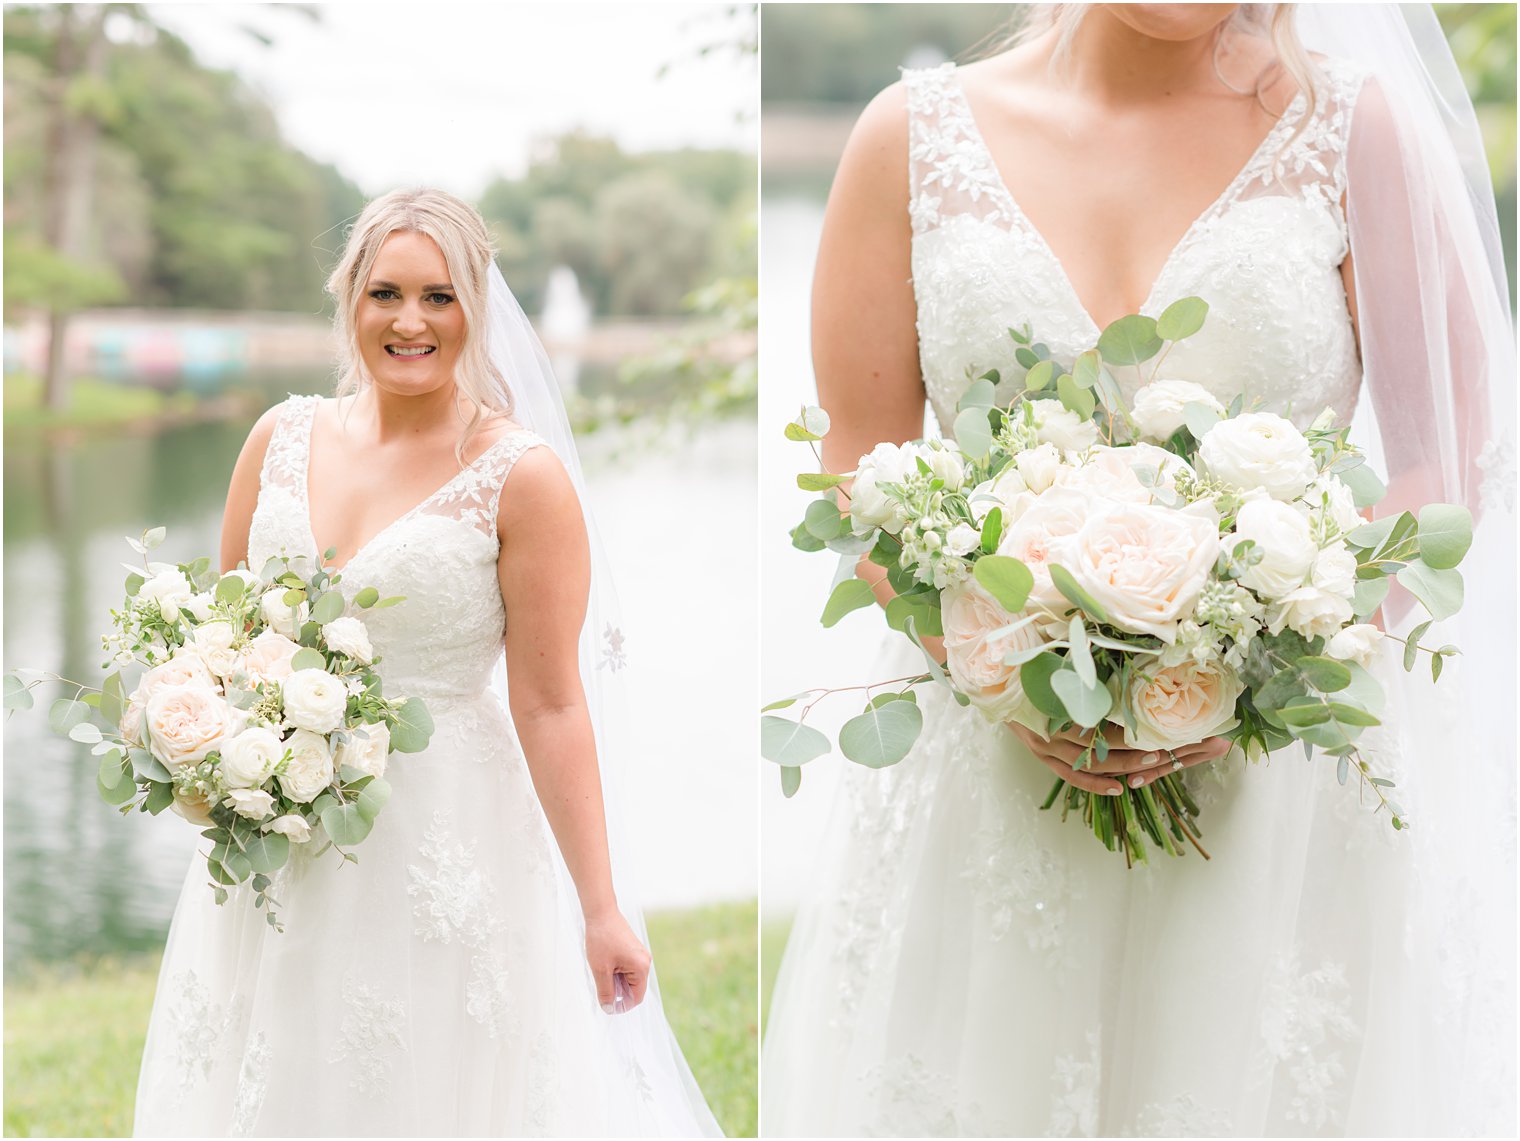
410, 352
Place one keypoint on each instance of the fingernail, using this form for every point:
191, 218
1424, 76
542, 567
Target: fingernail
1152, 758
1136, 781
608, 1008
1113, 791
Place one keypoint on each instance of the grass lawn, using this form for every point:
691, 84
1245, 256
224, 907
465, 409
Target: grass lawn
773, 936
74, 1033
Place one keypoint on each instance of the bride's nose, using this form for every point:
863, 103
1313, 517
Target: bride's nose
409, 321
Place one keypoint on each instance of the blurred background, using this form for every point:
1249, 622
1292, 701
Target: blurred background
821, 64
177, 183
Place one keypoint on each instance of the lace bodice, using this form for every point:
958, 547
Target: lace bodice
441, 556
1265, 256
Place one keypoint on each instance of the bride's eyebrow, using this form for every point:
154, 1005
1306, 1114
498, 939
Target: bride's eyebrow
397, 288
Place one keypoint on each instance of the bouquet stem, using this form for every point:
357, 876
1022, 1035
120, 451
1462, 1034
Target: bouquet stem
1161, 814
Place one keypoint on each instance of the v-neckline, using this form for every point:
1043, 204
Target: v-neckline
1290, 115
311, 431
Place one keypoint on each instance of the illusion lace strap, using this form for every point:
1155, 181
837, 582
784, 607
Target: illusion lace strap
950, 171
475, 494
285, 458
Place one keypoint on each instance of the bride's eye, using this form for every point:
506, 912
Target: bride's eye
382, 294
441, 298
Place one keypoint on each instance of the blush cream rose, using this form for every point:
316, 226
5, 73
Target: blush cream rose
1180, 705
977, 639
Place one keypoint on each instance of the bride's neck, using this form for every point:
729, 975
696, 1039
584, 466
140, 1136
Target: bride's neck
1113, 62
392, 415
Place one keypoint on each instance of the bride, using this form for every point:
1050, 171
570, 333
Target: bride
967, 964
460, 977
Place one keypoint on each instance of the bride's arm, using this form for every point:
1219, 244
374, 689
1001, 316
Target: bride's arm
545, 574
865, 341
243, 491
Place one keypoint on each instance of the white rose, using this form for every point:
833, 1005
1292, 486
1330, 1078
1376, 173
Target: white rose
1107, 475
948, 466
278, 616
310, 768
348, 636
254, 803
186, 722
1180, 705
869, 505
1056, 424
366, 749
250, 758
1313, 612
1357, 644
199, 606
169, 588
1038, 466
1039, 537
314, 699
975, 648
213, 642
1282, 538
1334, 571
291, 825
1259, 450
1337, 502
1008, 492
267, 657
1145, 565
1158, 407
1153, 466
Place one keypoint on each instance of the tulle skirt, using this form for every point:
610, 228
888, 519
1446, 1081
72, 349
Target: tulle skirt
968, 964
436, 987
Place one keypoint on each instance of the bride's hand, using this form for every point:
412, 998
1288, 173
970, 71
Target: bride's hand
1131, 767
613, 949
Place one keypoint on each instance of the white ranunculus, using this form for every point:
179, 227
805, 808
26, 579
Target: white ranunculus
169, 588
366, 749
1282, 538
249, 759
213, 642
975, 647
185, 722
1158, 408
254, 803
1008, 491
946, 464
1039, 466
1056, 424
1040, 537
1338, 502
1144, 564
292, 825
962, 539
1357, 644
1334, 571
280, 617
348, 636
1108, 475
1259, 450
267, 658
199, 606
310, 768
1312, 612
1180, 705
314, 699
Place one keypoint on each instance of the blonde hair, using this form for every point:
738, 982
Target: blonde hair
462, 237
1271, 21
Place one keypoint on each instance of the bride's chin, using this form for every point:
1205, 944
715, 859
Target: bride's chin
1175, 23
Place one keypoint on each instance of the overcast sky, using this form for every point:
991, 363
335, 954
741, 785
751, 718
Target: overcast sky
454, 94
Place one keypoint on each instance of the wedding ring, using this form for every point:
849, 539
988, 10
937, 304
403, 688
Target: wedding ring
1176, 764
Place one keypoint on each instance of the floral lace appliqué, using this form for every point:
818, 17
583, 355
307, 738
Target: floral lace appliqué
1305, 1018
1074, 1092
198, 1028
253, 1080
614, 657
370, 1036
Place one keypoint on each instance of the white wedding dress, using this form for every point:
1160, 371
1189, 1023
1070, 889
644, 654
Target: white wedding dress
970, 965
438, 986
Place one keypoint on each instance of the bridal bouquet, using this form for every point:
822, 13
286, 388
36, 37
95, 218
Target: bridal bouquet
1176, 568
257, 715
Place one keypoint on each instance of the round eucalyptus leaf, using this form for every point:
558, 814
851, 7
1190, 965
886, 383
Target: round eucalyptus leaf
366, 598
307, 658
1182, 318
790, 743
791, 780
881, 736
1325, 674
1439, 590
65, 714
1445, 534
328, 608
1087, 704
373, 798
1130, 340
413, 727
851, 594
345, 824
1006, 579
973, 434
17, 695
267, 852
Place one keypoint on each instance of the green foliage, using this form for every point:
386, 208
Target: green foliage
790, 743
883, 734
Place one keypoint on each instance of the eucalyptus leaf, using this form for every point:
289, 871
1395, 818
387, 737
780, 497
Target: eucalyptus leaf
1371, 536
973, 434
307, 658
1199, 418
154, 536
85, 733
413, 727
922, 607
373, 798
1351, 715
345, 824
1005, 578
267, 852
1130, 340
65, 714
852, 594
791, 780
1087, 369
1366, 487
1034, 677
815, 420
1368, 595
1079, 654
1038, 378
790, 743
1076, 398
1306, 713
823, 520
1445, 534
366, 598
1087, 704
805, 540
783, 703
1182, 318
881, 736
1325, 674
1061, 578
1439, 590
819, 480
1412, 644
17, 695
147, 767
112, 773
113, 698
230, 589
979, 394
160, 796
992, 530
328, 608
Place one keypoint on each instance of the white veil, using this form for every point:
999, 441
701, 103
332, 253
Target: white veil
1438, 354
669, 1101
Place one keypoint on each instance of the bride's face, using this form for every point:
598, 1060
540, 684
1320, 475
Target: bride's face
1174, 22
409, 324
